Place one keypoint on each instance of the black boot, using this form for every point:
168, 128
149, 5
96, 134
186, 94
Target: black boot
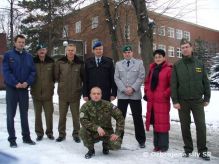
204, 156
90, 153
13, 144
29, 141
39, 138
77, 139
105, 151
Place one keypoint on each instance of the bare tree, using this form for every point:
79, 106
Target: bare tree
145, 32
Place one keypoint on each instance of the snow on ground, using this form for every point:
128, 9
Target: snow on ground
68, 152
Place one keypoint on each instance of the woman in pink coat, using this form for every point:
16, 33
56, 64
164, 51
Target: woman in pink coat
157, 92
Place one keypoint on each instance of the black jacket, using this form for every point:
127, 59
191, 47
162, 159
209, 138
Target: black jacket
101, 76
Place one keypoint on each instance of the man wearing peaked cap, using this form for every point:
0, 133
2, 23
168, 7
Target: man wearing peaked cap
129, 76
100, 72
42, 92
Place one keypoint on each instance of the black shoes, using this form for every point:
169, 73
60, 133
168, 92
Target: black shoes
29, 141
204, 156
90, 153
51, 137
105, 151
60, 139
13, 144
142, 145
77, 139
39, 138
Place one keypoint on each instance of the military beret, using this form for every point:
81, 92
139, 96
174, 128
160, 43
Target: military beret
40, 46
97, 44
127, 48
185, 41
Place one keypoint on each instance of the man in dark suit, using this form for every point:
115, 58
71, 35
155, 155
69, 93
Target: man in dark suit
100, 72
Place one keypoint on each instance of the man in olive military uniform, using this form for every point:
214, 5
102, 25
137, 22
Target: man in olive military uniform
190, 93
69, 72
42, 92
95, 117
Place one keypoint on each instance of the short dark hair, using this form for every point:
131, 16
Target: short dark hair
19, 36
160, 52
185, 41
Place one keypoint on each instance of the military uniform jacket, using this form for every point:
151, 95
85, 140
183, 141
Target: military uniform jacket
189, 80
43, 87
132, 76
70, 76
99, 114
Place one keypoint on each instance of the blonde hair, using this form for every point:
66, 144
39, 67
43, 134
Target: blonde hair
71, 45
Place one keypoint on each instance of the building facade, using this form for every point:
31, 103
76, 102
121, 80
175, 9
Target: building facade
89, 25
3, 48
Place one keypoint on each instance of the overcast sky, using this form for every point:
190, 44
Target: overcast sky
207, 10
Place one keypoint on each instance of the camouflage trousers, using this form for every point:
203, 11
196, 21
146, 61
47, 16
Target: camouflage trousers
90, 138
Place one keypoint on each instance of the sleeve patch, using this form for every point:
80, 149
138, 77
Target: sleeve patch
81, 115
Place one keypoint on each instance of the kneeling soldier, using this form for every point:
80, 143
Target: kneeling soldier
95, 117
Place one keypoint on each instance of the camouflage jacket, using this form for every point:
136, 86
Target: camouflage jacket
99, 114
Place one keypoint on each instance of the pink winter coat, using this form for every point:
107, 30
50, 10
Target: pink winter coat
159, 99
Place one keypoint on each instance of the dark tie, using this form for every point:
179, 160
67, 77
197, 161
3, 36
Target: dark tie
98, 62
128, 62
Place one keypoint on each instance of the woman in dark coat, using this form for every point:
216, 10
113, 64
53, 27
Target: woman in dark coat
157, 92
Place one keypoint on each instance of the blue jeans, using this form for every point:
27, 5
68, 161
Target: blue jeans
13, 97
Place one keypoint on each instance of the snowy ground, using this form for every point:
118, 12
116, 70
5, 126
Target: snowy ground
67, 152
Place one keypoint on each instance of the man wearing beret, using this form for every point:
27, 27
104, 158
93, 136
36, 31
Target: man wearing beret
129, 76
42, 92
190, 92
100, 72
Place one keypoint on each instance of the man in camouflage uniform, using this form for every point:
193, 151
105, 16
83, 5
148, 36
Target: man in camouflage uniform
69, 72
95, 117
42, 92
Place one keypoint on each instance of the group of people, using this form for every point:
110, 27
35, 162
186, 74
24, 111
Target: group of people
100, 83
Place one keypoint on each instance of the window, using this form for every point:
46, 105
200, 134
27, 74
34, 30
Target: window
154, 46
78, 27
178, 34
65, 31
95, 22
178, 53
161, 30
93, 42
162, 46
127, 32
171, 51
170, 32
186, 35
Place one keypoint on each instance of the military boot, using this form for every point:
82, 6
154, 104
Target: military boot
90, 153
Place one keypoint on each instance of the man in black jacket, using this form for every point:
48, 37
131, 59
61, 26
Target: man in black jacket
100, 72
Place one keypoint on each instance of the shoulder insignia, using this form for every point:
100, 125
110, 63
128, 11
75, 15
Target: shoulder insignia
81, 115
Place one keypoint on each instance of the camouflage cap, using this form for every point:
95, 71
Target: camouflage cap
185, 41
127, 48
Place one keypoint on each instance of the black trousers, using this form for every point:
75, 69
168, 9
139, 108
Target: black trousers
136, 109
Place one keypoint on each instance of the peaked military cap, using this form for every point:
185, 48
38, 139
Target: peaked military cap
40, 46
